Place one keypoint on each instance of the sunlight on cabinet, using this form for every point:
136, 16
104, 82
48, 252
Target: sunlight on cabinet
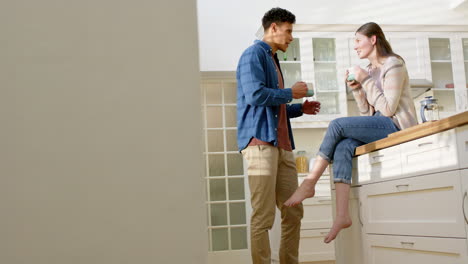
442, 76
465, 57
411, 49
325, 74
441, 62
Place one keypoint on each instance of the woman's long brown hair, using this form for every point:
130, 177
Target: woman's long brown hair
383, 46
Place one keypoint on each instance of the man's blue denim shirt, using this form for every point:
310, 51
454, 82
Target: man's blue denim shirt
259, 97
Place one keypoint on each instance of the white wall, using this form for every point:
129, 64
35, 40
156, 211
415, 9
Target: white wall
98, 165
228, 27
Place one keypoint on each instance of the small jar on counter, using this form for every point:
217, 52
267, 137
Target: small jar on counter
302, 164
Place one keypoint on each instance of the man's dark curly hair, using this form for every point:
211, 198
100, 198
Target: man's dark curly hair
277, 15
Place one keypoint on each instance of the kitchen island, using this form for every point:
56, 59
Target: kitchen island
409, 197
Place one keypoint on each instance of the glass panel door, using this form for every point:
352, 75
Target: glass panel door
465, 58
290, 62
325, 72
442, 75
225, 179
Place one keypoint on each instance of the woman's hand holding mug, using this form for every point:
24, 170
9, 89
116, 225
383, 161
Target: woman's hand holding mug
354, 76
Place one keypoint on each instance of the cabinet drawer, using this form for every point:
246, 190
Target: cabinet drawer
317, 213
381, 249
379, 165
312, 248
429, 205
430, 154
462, 143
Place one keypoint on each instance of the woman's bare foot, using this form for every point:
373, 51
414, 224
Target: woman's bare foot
338, 224
306, 190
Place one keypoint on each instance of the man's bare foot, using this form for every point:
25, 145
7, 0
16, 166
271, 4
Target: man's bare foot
338, 224
306, 190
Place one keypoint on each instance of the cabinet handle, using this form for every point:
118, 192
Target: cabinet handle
376, 159
426, 143
359, 213
407, 243
324, 233
324, 200
463, 206
402, 185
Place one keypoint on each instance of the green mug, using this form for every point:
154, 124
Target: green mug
351, 74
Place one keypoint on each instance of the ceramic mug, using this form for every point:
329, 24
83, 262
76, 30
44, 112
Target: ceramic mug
310, 90
351, 74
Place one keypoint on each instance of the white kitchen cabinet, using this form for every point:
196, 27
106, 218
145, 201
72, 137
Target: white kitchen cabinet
317, 213
465, 64
438, 58
419, 216
437, 64
312, 248
318, 209
413, 50
290, 62
464, 179
462, 143
448, 75
315, 225
322, 188
379, 165
348, 243
384, 249
443, 75
437, 152
322, 66
429, 205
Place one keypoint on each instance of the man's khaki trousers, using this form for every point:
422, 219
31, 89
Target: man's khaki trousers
272, 180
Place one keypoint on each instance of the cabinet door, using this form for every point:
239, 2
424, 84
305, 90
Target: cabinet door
328, 72
381, 249
429, 205
434, 153
464, 177
322, 69
379, 165
462, 143
413, 51
317, 213
312, 248
348, 244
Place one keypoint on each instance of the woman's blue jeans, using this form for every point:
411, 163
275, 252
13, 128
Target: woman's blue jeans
345, 134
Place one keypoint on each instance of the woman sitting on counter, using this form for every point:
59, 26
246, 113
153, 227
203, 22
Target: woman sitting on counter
382, 93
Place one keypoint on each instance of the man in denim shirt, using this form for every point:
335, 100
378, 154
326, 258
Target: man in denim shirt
265, 137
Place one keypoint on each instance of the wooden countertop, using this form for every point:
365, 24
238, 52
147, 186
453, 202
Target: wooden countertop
415, 132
